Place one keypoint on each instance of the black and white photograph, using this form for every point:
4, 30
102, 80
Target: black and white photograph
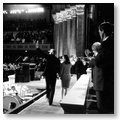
58, 59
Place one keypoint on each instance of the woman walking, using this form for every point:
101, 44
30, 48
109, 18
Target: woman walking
65, 74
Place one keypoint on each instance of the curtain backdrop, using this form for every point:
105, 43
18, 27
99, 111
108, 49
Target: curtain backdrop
69, 31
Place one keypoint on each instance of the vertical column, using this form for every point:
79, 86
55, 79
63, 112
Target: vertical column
65, 50
68, 37
60, 39
80, 30
69, 31
73, 38
56, 38
58, 33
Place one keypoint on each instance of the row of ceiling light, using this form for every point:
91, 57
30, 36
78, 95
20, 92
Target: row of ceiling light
19, 11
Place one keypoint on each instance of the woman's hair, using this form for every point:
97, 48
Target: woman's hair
96, 46
67, 61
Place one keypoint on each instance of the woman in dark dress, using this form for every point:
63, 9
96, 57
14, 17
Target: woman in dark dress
65, 74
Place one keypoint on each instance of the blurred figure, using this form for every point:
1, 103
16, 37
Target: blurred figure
51, 70
50, 73
97, 76
65, 74
80, 67
105, 60
15, 93
85, 65
88, 53
95, 48
61, 59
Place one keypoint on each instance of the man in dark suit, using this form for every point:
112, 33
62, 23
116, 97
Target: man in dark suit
51, 70
50, 73
80, 68
105, 61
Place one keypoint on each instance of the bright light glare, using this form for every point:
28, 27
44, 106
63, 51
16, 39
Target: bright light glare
23, 6
35, 10
26, 8
5, 12
29, 6
16, 11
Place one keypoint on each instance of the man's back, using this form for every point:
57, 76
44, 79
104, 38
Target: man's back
52, 66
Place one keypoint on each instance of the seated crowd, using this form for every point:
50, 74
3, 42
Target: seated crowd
12, 62
22, 37
27, 31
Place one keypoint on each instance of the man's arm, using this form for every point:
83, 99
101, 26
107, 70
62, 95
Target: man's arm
40, 52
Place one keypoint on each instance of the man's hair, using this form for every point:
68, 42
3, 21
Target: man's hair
107, 28
67, 60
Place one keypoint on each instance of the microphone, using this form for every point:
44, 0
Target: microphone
25, 59
18, 58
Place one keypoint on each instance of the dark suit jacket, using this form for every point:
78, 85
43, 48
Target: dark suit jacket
52, 65
105, 61
80, 68
97, 76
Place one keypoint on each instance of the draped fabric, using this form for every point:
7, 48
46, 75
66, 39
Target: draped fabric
69, 34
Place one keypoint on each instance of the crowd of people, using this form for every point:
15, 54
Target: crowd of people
21, 37
103, 69
27, 31
13, 63
25, 24
101, 62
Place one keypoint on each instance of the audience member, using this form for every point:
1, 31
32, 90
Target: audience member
97, 76
80, 67
105, 61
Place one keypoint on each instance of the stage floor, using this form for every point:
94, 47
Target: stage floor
41, 106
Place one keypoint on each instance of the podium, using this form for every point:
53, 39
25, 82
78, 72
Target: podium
25, 74
32, 71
